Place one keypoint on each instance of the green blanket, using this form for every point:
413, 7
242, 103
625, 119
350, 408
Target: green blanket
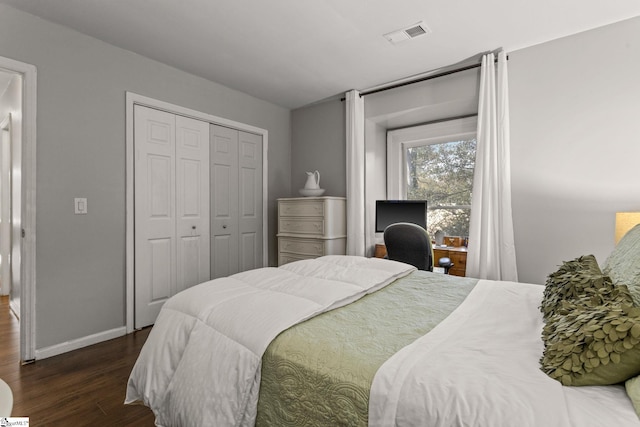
319, 372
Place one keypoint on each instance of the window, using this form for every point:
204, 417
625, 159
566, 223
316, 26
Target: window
435, 163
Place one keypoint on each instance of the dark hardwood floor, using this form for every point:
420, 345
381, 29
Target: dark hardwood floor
84, 387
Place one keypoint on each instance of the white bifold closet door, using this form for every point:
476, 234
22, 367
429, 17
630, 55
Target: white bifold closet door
236, 201
171, 208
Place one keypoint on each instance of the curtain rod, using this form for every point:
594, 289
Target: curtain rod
422, 79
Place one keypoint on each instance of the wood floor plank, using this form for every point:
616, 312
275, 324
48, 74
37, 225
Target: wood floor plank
85, 387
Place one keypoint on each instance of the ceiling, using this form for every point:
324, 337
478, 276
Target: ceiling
295, 52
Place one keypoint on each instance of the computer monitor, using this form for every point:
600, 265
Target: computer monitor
392, 211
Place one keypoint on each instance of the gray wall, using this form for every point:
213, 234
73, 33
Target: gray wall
575, 108
80, 267
318, 143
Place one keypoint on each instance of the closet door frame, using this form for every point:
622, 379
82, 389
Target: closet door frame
136, 99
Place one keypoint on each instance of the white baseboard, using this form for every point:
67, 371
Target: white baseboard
65, 347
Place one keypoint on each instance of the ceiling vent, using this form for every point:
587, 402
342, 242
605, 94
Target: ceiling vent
399, 36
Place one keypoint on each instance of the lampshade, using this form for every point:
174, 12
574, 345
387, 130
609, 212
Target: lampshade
625, 221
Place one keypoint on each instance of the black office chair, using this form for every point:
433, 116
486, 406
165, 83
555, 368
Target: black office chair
409, 243
445, 263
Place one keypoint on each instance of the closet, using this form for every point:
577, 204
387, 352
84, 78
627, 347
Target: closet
198, 205
171, 208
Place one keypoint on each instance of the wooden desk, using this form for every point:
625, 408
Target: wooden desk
457, 255
381, 251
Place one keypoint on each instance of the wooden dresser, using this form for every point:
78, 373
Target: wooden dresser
309, 227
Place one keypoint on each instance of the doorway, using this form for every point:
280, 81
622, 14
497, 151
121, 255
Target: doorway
18, 116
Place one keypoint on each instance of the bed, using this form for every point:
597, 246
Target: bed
352, 341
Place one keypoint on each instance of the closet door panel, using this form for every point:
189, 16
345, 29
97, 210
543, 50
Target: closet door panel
160, 266
171, 181
190, 254
224, 256
248, 253
224, 201
192, 201
250, 199
155, 231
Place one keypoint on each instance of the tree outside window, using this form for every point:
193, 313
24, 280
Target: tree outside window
442, 174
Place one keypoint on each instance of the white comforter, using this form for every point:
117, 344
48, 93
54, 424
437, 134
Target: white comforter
479, 367
201, 363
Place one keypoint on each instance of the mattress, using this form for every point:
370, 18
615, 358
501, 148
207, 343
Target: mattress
353, 341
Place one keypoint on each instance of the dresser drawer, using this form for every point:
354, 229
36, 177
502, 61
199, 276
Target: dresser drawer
301, 246
284, 258
296, 248
314, 226
308, 208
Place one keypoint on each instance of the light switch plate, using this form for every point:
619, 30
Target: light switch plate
80, 205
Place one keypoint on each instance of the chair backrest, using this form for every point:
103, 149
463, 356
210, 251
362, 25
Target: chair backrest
409, 243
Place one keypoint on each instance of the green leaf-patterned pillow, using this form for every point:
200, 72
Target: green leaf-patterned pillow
593, 340
572, 280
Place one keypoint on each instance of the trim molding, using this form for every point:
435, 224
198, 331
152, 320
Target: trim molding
398, 141
77, 343
135, 99
5, 229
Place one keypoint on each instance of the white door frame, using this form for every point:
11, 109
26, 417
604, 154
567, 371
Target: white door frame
28, 208
5, 199
135, 99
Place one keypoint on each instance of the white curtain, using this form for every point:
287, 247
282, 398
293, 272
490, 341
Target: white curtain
355, 174
491, 244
